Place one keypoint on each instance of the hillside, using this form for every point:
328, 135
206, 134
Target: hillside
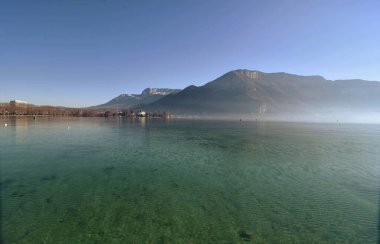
149, 95
255, 92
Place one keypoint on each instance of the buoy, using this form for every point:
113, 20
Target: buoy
68, 127
5, 124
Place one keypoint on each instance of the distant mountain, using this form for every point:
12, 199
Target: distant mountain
255, 92
149, 95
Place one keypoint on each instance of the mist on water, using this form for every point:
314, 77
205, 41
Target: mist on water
336, 117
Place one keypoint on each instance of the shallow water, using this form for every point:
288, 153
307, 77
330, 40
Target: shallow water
99, 180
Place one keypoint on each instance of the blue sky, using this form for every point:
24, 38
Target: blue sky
81, 53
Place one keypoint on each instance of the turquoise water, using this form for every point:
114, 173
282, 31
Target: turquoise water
99, 180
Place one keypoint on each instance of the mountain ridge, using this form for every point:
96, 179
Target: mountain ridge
251, 91
148, 95
245, 91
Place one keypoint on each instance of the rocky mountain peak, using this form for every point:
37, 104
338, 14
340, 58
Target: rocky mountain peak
158, 91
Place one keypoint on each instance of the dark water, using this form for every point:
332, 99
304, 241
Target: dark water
155, 181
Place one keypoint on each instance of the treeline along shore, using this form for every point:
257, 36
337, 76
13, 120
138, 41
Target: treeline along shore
15, 108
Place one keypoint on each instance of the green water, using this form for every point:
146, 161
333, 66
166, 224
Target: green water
188, 181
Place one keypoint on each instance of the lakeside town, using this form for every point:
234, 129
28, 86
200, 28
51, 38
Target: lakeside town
24, 108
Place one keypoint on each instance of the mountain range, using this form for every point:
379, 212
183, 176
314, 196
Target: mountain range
148, 95
255, 92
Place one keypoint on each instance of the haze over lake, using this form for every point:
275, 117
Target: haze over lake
119, 180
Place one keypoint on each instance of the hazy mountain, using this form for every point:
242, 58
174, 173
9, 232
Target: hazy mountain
255, 92
148, 95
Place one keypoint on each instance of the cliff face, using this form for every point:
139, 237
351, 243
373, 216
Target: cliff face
254, 92
147, 96
246, 91
158, 91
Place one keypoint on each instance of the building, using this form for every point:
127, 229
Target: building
18, 107
142, 114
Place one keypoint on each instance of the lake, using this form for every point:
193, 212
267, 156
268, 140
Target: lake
119, 180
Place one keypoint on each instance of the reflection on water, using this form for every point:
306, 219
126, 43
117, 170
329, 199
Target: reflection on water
20, 126
117, 180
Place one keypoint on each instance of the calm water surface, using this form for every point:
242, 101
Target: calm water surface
101, 180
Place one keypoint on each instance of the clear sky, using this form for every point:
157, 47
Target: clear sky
81, 53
